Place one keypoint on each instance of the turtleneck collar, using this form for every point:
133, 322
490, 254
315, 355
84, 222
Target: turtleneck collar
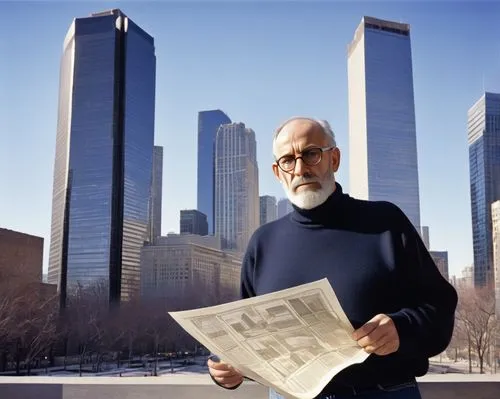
323, 214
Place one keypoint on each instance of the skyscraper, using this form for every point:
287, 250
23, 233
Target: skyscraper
268, 209
495, 221
208, 125
156, 194
440, 258
284, 207
104, 151
193, 221
424, 233
236, 186
382, 133
484, 165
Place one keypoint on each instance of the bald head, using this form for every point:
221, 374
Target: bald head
308, 146
315, 126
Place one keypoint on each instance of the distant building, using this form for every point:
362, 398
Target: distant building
193, 221
284, 207
155, 201
268, 209
441, 260
236, 186
383, 162
104, 155
208, 125
178, 268
21, 256
484, 170
466, 281
495, 223
424, 233
21, 263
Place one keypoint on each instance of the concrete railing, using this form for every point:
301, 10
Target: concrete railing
450, 386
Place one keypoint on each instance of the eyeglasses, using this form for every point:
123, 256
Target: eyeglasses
310, 157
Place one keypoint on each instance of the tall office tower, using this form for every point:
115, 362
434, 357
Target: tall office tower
193, 221
382, 135
236, 186
104, 155
268, 209
284, 207
495, 222
440, 258
208, 125
156, 194
424, 233
484, 165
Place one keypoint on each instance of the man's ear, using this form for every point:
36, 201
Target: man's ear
276, 171
335, 159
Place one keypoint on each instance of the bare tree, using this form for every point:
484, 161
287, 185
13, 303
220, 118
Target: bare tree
130, 323
457, 343
86, 312
475, 319
10, 305
157, 325
37, 326
28, 317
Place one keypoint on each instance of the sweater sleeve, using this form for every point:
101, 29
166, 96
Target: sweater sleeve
425, 325
248, 271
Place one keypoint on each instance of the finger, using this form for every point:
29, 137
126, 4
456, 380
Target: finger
229, 382
223, 373
387, 348
218, 365
376, 335
373, 346
367, 328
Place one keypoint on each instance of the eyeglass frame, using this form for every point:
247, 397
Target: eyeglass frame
322, 149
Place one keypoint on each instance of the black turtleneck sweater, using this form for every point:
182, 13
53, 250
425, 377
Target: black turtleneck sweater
376, 263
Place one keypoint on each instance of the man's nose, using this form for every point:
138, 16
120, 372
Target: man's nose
300, 167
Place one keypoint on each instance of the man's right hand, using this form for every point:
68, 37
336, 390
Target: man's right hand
225, 375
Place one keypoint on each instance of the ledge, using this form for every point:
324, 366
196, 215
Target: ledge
433, 386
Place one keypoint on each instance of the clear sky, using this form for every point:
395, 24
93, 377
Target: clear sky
260, 63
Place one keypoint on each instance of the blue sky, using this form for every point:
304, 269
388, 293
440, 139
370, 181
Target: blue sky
260, 63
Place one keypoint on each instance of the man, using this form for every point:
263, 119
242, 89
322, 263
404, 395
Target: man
385, 280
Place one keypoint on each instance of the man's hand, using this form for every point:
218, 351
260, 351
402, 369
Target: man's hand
379, 336
225, 374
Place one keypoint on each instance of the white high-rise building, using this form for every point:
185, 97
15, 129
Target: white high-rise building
382, 134
236, 186
495, 222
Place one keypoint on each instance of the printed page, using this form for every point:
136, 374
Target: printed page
295, 340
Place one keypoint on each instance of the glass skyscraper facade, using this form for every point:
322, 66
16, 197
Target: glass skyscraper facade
236, 186
484, 166
382, 134
192, 221
104, 151
208, 125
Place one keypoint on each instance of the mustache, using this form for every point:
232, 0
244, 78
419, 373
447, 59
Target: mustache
303, 180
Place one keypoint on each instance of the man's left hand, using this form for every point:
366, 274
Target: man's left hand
379, 336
